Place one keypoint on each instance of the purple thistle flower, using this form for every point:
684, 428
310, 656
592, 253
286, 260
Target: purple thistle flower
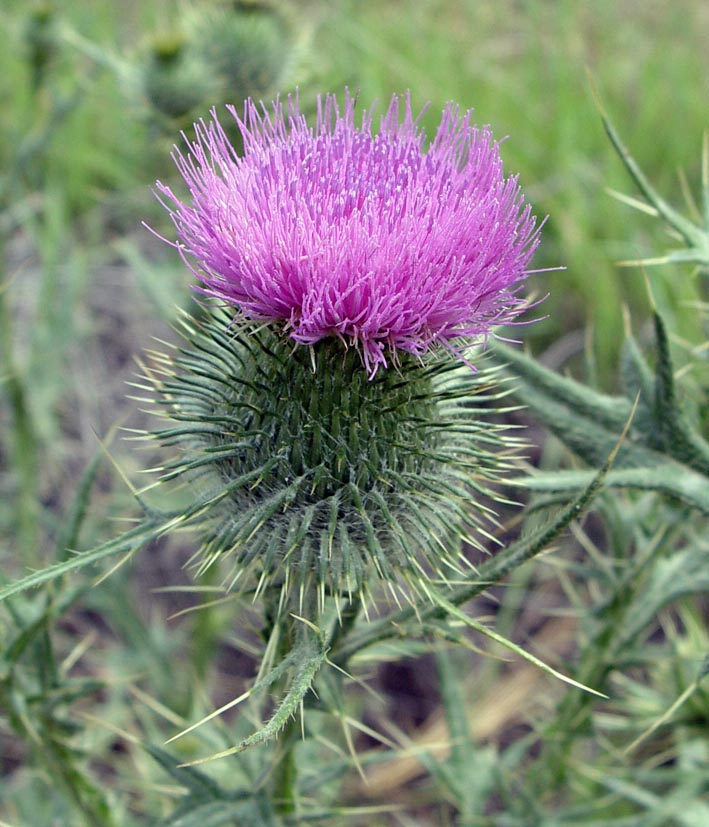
336, 231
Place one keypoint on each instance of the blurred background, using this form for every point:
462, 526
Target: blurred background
94, 95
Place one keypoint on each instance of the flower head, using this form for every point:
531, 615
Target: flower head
335, 231
313, 475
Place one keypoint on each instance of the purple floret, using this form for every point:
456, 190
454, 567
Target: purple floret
336, 231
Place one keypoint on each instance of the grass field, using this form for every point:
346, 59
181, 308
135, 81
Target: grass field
91, 672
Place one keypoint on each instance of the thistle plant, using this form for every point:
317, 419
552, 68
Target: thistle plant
333, 413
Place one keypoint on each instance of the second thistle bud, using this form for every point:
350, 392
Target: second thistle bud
176, 80
223, 52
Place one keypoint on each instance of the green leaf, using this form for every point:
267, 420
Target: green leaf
677, 438
206, 804
684, 573
127, 543
694, 236
454, 612
69, 535
195, 781
587, 421
670, 478
304, 662
662, 452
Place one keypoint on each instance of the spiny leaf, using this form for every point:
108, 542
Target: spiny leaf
685, 572
127, 543
668, 714
454, 612
69, 536
662, 452
195, 781
682, 256
680, 441
668, 478
693, 235
306, 658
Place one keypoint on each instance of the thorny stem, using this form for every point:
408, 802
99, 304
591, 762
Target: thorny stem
288, 628
282, 625
285, 772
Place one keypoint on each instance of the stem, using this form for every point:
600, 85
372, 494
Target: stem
285, 773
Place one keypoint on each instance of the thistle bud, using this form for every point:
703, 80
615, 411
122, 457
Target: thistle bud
310, 474
224, 52
247, 45
176, 81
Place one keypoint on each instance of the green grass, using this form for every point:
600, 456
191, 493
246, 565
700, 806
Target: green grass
90, 672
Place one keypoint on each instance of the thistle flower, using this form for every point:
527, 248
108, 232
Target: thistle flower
329, 439
334, 231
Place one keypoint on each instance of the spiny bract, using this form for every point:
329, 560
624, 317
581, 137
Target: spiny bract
310, 475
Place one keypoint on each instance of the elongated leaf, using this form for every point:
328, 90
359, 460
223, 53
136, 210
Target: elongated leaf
305, 659
195, 781
69, 536
206, 804
127, 543
454, 612
669, 478
694, 236
662, 451
684, 573
677, 437
587, 421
